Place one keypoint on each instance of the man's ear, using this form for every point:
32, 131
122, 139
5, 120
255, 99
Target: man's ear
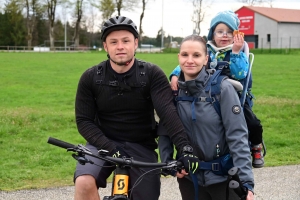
136, 43
104, 46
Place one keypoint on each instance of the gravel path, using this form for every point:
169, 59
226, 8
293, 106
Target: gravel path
276, 183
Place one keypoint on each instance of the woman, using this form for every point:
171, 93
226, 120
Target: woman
212, 136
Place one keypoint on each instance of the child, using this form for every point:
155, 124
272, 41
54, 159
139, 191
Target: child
222, 45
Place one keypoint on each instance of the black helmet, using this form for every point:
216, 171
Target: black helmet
118, 23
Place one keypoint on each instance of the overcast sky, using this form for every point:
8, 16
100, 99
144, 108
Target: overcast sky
175, 15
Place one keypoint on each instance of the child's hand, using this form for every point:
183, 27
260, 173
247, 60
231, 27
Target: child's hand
174, 83
238, 42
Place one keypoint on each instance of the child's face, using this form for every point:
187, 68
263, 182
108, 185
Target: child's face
192, 57
223, 35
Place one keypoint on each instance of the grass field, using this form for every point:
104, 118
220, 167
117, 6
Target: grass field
37, 101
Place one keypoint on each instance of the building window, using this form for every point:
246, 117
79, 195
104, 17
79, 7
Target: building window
268, 37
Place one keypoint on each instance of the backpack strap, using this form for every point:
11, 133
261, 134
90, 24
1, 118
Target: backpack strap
194, 100
142, 77
214, 85
213, 89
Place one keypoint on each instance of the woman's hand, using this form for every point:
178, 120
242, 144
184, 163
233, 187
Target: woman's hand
238, 42
182, 174
250, 195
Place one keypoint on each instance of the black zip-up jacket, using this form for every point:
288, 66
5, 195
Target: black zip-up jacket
105, 113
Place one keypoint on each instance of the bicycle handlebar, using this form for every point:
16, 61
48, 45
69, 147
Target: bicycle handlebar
120, 161
60, 143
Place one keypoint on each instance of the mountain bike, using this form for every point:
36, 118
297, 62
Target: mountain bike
120, 184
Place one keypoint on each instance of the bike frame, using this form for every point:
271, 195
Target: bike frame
120, 184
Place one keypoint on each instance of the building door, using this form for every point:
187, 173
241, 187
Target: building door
252, 41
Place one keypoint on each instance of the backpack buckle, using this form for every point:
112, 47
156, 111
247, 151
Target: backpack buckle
113, 83
215, 166
213, 100
202, 99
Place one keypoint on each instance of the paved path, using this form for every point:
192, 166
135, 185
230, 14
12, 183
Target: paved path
276, 183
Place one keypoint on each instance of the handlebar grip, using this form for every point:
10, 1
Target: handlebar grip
238, 189
236, 183
179, 165
233, 172
60, 143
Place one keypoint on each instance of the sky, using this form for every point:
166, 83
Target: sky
175, 15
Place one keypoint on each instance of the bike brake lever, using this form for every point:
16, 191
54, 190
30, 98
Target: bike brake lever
80, 149
81, 159
171, 164
84, 149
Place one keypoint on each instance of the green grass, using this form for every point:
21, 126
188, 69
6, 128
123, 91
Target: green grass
37, 101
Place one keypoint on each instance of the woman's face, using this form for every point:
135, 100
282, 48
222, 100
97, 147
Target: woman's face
223, 35
192, 57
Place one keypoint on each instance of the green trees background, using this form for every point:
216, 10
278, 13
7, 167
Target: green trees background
32, 23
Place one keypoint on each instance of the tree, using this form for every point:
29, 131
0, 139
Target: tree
78, 15
41, 31
51, 8
32, 8
90, 26
158, 37
253, 2
199, 14
127, 5
15, 23
144, 3
107, 8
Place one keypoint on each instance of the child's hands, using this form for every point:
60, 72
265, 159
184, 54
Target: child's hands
238, 42
174, 83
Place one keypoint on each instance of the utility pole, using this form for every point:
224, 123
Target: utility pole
65, 13
162, 24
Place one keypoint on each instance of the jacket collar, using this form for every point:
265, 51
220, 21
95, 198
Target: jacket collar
195, 86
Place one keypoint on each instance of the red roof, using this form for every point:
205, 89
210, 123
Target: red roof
277, 14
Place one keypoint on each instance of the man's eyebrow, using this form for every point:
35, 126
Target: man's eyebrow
126, 37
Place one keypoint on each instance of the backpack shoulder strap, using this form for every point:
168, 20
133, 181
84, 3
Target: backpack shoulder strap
215, 92
142, 77
100, 72
142, 73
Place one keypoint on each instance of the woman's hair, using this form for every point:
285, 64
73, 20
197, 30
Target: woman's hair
196, 38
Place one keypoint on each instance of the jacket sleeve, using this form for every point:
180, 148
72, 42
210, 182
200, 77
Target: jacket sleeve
162, 98
239, 65
85, 112
236, 132
175, 72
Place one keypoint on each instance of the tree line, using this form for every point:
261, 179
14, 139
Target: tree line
35, 22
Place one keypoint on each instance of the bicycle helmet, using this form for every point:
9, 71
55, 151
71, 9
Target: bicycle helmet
118, 23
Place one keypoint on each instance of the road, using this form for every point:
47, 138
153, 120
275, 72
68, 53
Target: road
276, 183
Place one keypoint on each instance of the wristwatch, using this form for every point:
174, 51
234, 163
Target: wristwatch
187, 149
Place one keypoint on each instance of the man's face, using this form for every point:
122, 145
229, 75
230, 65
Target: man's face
120, 45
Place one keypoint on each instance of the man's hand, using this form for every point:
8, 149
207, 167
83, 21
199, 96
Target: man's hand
190, 162
118, 152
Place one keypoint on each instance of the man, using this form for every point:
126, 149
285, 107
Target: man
114, 107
